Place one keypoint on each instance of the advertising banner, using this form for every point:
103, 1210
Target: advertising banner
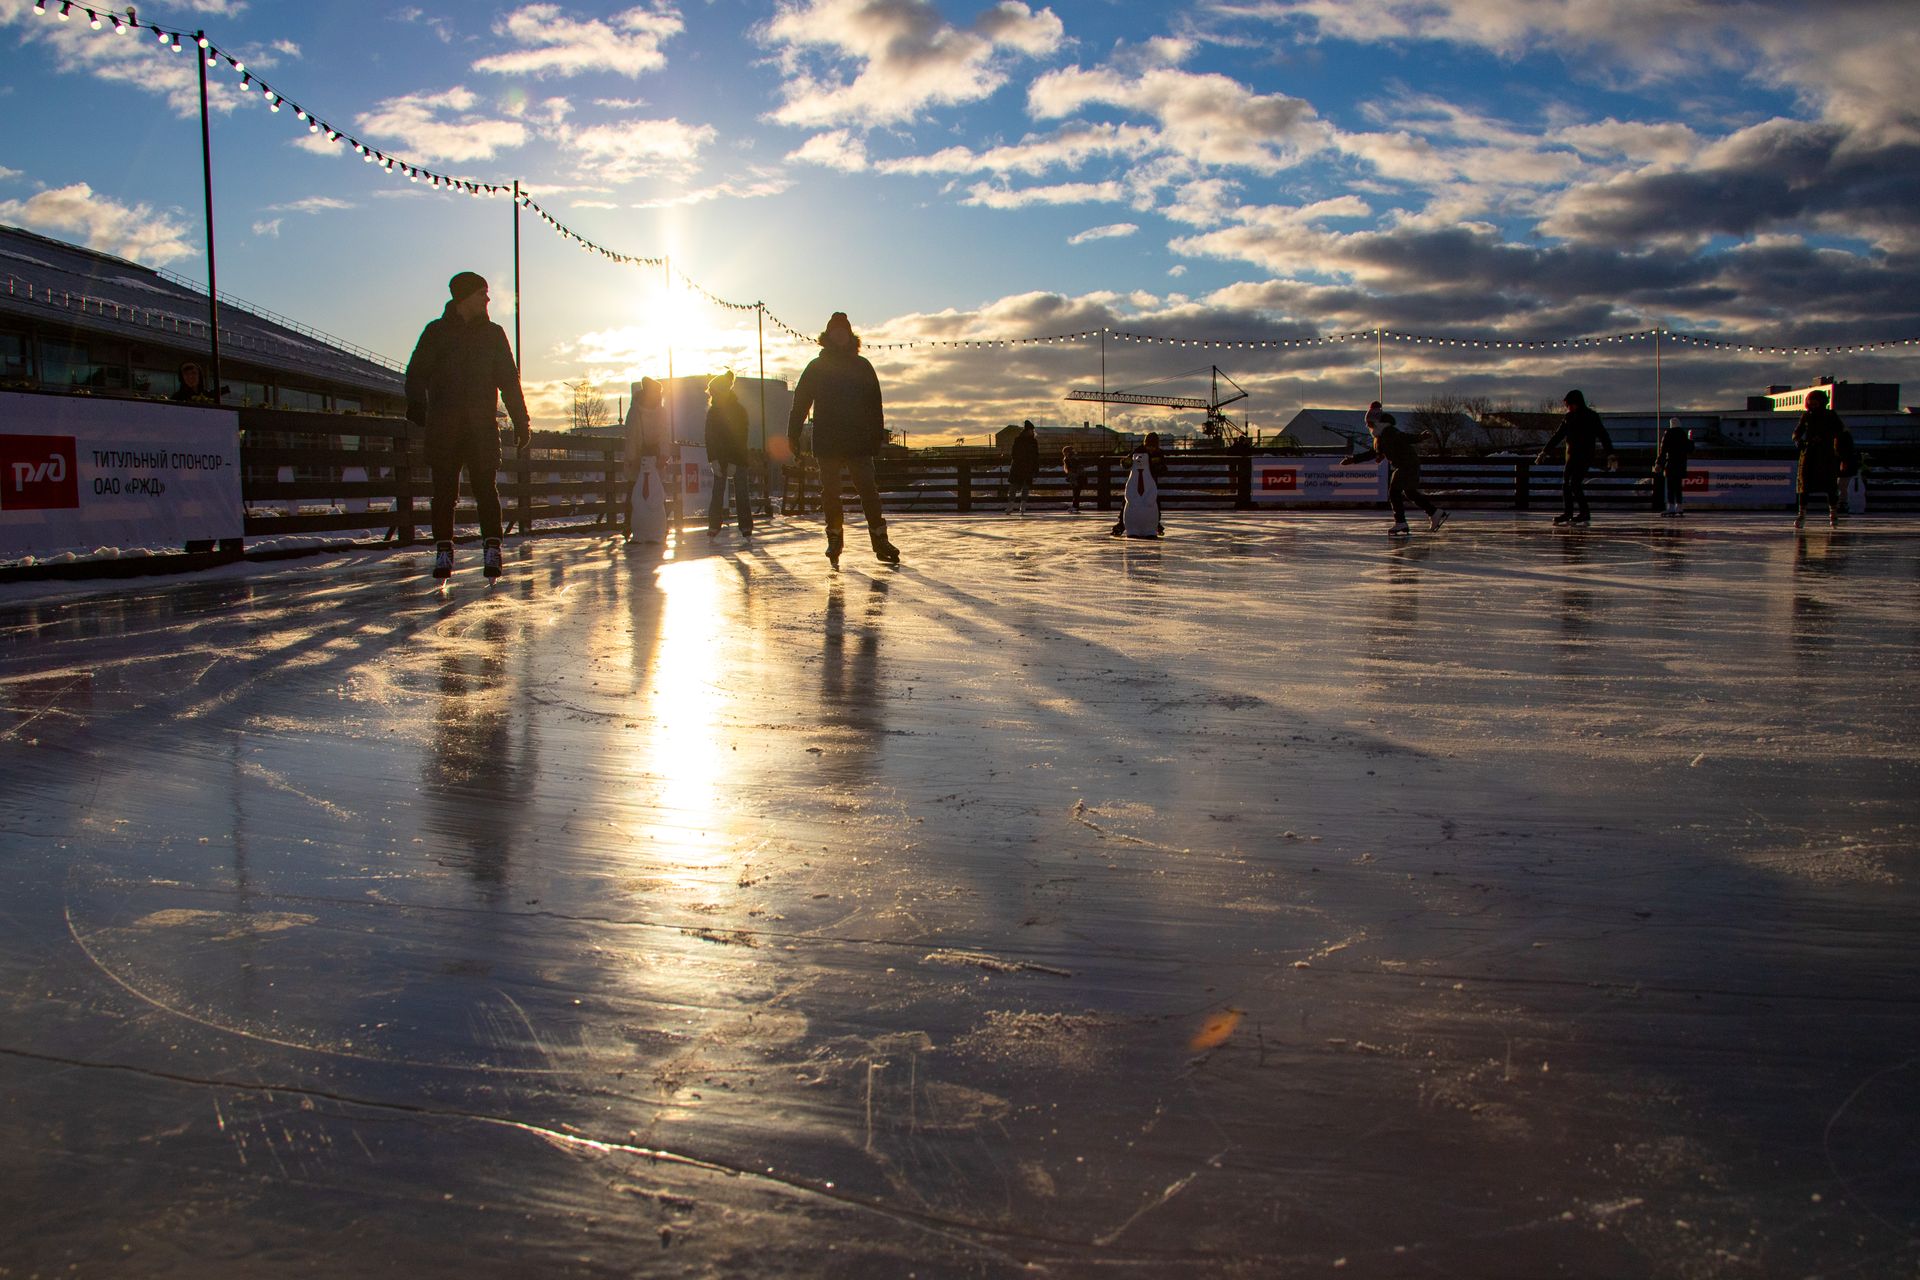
78, 474
693, 473
1305, 481
1713, 483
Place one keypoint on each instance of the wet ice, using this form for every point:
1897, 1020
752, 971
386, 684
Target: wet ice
1507, 902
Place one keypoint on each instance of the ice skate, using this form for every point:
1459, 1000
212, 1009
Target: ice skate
443, 560
490, 559
834, 543
1435, 520
887, 553
1398, 529
1563, 519
1582, 521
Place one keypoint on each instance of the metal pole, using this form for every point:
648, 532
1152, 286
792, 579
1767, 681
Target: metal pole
667, 271
200, 49
766, 428
1103, 378
1659, 399
516, 275
1379, 369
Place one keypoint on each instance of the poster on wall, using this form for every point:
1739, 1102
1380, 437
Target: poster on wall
77, 475
1712, 482
1303, 481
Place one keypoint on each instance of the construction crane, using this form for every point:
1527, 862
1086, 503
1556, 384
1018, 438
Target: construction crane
1217, 424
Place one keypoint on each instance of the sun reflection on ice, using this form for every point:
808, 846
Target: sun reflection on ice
685, 755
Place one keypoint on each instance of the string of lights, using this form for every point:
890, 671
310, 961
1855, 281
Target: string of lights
250, 81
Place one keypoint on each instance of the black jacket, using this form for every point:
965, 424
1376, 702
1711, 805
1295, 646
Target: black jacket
1026, 459
1400, 449
459, 372
1818, 436
844, 393
727, 431
1673, 452
1582, 430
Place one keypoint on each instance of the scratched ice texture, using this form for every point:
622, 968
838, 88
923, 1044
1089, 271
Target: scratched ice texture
1268, 900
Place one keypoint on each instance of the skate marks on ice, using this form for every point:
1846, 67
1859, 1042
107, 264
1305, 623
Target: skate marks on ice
1080, 914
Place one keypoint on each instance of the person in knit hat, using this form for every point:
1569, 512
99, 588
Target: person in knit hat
727, 452
461, 369
843, 391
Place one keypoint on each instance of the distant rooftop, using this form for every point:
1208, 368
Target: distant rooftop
47, 279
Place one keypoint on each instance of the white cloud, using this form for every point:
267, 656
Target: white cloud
123, 60
439, 128
127, 231
1853, 62
270, 228
286, 47
311, 204
617, 153
1068, 148
6, 173
837, 149
986, 196
626, 43
1210, 119
886, 61
751, 187
1112, 231
413, 15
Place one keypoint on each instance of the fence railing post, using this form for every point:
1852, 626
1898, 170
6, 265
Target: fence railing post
1243, 481
963, 485
611, 516
403, 486
1522, 483
526, 488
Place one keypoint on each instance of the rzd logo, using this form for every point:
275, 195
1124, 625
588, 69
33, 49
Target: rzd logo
1275, 479
38, 473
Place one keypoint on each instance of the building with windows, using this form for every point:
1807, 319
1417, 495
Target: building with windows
78, 320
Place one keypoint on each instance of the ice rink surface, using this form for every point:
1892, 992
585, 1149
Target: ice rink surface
1270, 900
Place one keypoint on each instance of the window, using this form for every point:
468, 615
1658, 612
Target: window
13, 356
297, 398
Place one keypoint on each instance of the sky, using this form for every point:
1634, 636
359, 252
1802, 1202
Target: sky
1229, 172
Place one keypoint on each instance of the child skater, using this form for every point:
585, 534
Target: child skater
1403, 474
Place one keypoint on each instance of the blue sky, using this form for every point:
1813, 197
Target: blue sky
1246, 169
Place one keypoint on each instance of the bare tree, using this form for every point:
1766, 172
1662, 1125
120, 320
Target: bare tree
1446, 418
589, 407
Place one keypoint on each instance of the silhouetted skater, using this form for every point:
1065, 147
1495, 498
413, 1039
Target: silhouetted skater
1670, 466
1397, 447
727, 454
849, 427
1581, 430
1023, 466
1076, 472
461, 369
1817, 435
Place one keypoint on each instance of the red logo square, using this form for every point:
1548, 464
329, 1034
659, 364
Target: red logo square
38, 473
1287, 481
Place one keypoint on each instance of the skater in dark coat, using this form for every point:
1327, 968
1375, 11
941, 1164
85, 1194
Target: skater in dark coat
727, 453
1817, 436
1403, 469
1582, 431
1076, 472
462, 368
1670, 466
1023, 467
842, 390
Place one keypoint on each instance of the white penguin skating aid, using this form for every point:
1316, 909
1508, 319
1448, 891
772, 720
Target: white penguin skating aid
1140, 516
649, 505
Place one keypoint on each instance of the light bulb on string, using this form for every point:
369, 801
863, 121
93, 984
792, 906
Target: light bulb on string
40, 6
66, 10
94, 19
119, 27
